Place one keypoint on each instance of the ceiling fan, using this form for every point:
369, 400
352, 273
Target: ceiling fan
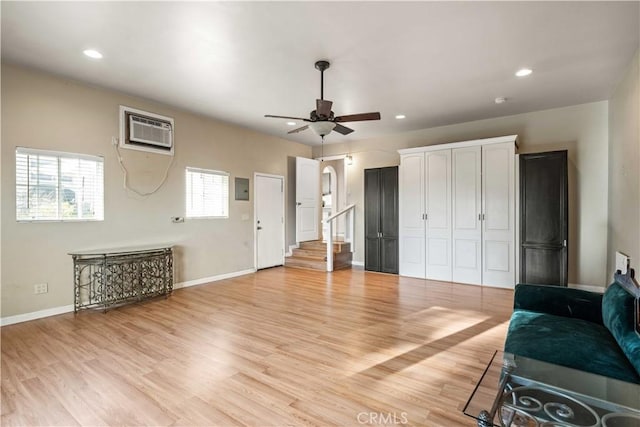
322, 120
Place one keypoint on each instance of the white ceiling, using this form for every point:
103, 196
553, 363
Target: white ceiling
437, 62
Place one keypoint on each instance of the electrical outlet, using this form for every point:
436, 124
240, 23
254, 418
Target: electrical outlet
40, 288
177, 219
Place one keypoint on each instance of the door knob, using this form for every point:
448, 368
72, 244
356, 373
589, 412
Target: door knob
259, 228
298, 204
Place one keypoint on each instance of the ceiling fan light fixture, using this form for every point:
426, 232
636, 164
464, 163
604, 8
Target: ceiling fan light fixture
322, 128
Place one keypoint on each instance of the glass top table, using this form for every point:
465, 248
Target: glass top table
517, 391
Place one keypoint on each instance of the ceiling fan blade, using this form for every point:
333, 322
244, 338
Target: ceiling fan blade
299, 129
358, 117
323, 107
286, 117
342, 129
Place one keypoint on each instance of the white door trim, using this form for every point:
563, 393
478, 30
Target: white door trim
255, 218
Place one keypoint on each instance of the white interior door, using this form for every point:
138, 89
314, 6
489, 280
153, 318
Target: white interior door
498, 207
438, 210
467, 224
411, 195
269, 216
307, 199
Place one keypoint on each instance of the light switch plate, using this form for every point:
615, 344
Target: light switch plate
622, 262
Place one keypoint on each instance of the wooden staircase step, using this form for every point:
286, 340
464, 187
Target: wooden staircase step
315, 259
303, 262
322, 245
310, 253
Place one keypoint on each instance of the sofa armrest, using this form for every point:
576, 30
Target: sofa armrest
559, 301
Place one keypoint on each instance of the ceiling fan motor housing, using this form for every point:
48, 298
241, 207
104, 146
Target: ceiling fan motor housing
315, 117
322, 65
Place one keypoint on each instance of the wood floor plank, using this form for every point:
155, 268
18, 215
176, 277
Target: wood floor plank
280, 347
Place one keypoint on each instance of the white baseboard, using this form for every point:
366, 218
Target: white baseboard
19, 318
216, 278
358, 263
291, 248
592, 288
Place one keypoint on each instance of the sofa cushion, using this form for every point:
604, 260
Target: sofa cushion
576, 343
560, 301
617, 316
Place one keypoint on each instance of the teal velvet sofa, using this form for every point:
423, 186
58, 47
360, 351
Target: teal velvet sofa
584, 330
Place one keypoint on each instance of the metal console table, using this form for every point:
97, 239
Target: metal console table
517, 391
109, 277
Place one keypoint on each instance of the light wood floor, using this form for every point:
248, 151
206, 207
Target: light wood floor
282, 347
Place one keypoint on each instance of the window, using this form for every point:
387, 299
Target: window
54, 186
207, 194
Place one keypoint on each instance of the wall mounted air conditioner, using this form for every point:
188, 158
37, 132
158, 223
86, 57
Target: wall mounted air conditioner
144, 131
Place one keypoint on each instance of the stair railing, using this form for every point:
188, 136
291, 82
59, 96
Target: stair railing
350, 212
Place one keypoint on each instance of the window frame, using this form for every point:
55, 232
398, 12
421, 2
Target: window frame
58, 155
191, 169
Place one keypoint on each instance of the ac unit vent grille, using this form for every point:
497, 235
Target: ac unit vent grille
149, 131
140, 130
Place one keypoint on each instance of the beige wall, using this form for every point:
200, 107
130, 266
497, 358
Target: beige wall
624, 168
47, 112
581, 129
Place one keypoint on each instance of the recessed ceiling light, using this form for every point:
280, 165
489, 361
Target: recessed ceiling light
92, 53
500, 100
401, 116
523, 72
291, 123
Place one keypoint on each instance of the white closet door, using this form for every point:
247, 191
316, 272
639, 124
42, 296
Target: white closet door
466, 207
438, 209
498, 207
412, 224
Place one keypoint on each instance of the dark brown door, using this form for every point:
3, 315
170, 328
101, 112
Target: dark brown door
544, 219
389, 220
372, 219
381, 219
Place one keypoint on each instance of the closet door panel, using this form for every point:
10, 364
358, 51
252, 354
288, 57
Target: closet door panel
389, 220
389, 255
438, 209
412, 224
372, 254
467, 208
498, 172
372, 219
